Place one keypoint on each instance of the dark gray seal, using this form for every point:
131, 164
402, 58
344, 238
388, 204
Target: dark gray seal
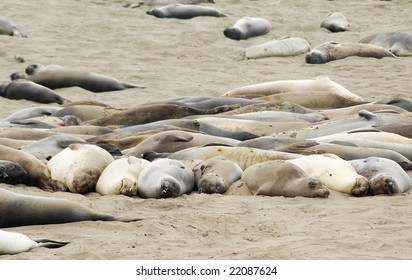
11, 173
24, 210
184, 11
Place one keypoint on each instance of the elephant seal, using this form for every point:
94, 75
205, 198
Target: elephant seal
243, 156
248, 27
14, 243
385, 176
337, 174
281, 178
397, 101
8, 27
164, 178
320, 83
120, 176
330, 51
335, 22
166, 2
175, 140
23, 89
31, 112
37, 171
11, 173
41, 210
285, 46
79, 166
184, 11
60, 77
398, 43
215, 175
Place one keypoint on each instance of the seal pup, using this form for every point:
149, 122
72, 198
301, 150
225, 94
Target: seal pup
42, 210
330, 51
285, 46
37, 170
398, 43
337, 174
184, 11
248, 27
320, 83
281, 178
216, 174
79, 166
120, 176
8, 27
385, 175
335, 22
15, 242
60, 77
164, 178
166, 2
23, 89
11, 173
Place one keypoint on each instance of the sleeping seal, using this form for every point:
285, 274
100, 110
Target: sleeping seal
248, 27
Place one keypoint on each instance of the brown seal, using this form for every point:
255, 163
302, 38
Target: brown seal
280, 178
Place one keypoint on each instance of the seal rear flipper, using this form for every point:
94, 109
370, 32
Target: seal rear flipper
51, 244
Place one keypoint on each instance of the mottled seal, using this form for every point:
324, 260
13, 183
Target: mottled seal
337, 174
165, 178
243, 156
60, 77
281, 178
335, 22
385, 176
79, 166
330, 51
320, 83
398, 43
11, 173
23, 89
15, 242
41, 210
215, 175
120, 176
8, 27
248, 27
37, 170
184, 11
285, 46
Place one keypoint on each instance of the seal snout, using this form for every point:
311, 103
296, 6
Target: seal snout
168, 189
316, 57
233, 33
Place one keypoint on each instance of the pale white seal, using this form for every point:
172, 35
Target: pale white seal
165, 178
335, 22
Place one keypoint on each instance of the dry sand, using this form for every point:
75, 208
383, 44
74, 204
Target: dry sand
176, 58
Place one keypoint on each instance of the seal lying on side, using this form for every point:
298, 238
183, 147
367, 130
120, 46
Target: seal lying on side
215, 175
166, 2
398, 43
120, 176
281, 178
8, 27
337, 174
14, 243
165, 178
385, 176
79, 166
60, 77
37, 170
335, 22
11, 173
330, 51
41, 210
184, 11
23, 89
248, 27
285, 46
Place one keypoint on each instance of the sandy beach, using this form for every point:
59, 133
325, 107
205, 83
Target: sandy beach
177, 58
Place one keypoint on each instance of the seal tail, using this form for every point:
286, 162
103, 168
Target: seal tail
51, 244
